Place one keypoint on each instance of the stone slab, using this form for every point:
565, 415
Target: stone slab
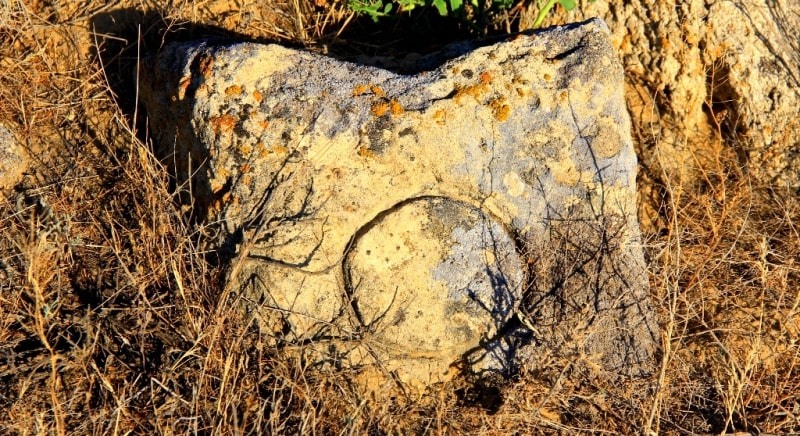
416, 221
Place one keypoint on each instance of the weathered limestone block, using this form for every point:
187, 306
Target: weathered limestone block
13, 159
469, 216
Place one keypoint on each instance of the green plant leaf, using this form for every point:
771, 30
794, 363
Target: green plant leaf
567, 4
374, 9
456, 5
441, 5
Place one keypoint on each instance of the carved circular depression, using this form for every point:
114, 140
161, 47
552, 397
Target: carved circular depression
433, 277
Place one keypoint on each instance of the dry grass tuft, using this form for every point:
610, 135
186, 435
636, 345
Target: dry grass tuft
113, 319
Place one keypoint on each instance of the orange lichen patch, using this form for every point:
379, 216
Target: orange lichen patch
379, 108
183, 85
396, 107
257, 96
485, 77
439, 116
245, 168
360, 90
233, 90
206, 66
216, 207
223, 123
499, 108
263, 124
475, 91
278, 149
548, 77
365, 152
218, 203
377, 91
246, 149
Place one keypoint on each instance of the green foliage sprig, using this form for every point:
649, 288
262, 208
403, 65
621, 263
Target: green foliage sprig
377, 9
543, 11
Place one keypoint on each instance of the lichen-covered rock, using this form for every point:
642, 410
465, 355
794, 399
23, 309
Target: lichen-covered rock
423, 221
13, 159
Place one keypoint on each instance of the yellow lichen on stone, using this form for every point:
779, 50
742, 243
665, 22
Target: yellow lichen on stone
365, 152
278, 149
607, 141
245, 149
475, 91
499, 108
360, 90
216, 186
233, 90
565, 173
439, 116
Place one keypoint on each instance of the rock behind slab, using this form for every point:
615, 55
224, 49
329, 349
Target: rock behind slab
477, 215
709, 64
13, 159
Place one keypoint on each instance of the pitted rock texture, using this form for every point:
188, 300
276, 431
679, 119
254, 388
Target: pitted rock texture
706, 63
13, 159
475, 278
475, 215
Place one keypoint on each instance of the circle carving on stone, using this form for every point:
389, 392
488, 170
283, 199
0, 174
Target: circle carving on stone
433, 278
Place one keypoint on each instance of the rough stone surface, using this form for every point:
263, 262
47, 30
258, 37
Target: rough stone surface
475, 277
477, 215
13, 160
703, 61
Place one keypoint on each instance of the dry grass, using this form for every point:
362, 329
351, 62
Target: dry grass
113, 320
